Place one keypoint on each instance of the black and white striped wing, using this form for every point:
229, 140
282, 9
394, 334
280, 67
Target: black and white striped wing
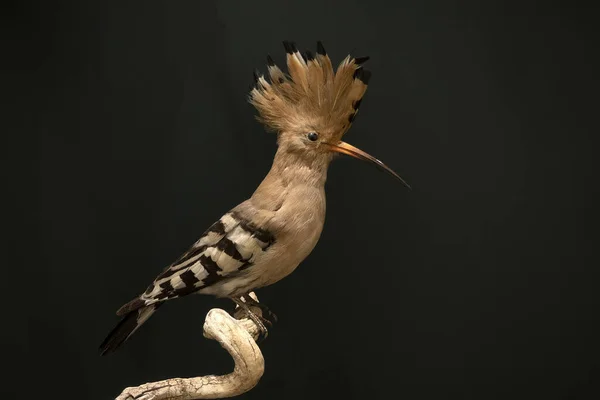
229, 246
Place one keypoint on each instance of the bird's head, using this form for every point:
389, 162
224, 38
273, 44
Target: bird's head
312, 107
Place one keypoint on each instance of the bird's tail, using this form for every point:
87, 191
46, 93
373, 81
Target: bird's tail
131, 321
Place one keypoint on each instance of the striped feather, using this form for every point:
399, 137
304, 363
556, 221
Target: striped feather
228, 247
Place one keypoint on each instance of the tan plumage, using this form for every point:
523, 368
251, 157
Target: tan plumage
312, 94
265, 238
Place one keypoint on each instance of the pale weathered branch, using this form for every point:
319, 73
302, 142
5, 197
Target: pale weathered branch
238, 337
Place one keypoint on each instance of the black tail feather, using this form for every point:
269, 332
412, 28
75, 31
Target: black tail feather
125, 328
133, 305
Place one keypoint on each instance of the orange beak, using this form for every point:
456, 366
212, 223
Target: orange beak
348, 149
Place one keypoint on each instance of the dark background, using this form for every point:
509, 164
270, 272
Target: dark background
127, 133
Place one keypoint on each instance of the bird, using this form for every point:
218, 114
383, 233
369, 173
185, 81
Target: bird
264, 239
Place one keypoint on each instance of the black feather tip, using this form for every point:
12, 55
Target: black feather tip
363, 75
321, 49
361, 60
308, 55
290, 47
270, 61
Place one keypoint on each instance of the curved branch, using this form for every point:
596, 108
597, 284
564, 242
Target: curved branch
238, 337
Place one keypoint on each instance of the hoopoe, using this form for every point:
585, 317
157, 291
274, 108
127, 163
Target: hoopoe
265, 238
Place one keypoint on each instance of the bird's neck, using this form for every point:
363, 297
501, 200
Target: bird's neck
300, 168
292, 174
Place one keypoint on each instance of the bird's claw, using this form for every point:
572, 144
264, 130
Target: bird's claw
244, 303
268, 315
261, 323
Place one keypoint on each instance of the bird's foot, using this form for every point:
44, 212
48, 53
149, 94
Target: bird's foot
260, 323
268, 315
259, 320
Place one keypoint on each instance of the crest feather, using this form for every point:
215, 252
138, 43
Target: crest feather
311, 92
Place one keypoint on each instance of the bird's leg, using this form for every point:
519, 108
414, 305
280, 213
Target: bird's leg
255, 318
263, 307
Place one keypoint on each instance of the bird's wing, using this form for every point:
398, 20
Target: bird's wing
229, 246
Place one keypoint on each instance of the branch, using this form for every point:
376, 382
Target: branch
238, 337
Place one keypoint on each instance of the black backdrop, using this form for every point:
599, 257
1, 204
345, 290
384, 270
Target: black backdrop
128, 133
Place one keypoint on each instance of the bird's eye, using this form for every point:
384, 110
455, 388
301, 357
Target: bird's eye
312, 136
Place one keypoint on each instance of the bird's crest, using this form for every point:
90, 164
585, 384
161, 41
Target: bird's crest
311, 93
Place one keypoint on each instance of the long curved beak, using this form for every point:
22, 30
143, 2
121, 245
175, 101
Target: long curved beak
348, 149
